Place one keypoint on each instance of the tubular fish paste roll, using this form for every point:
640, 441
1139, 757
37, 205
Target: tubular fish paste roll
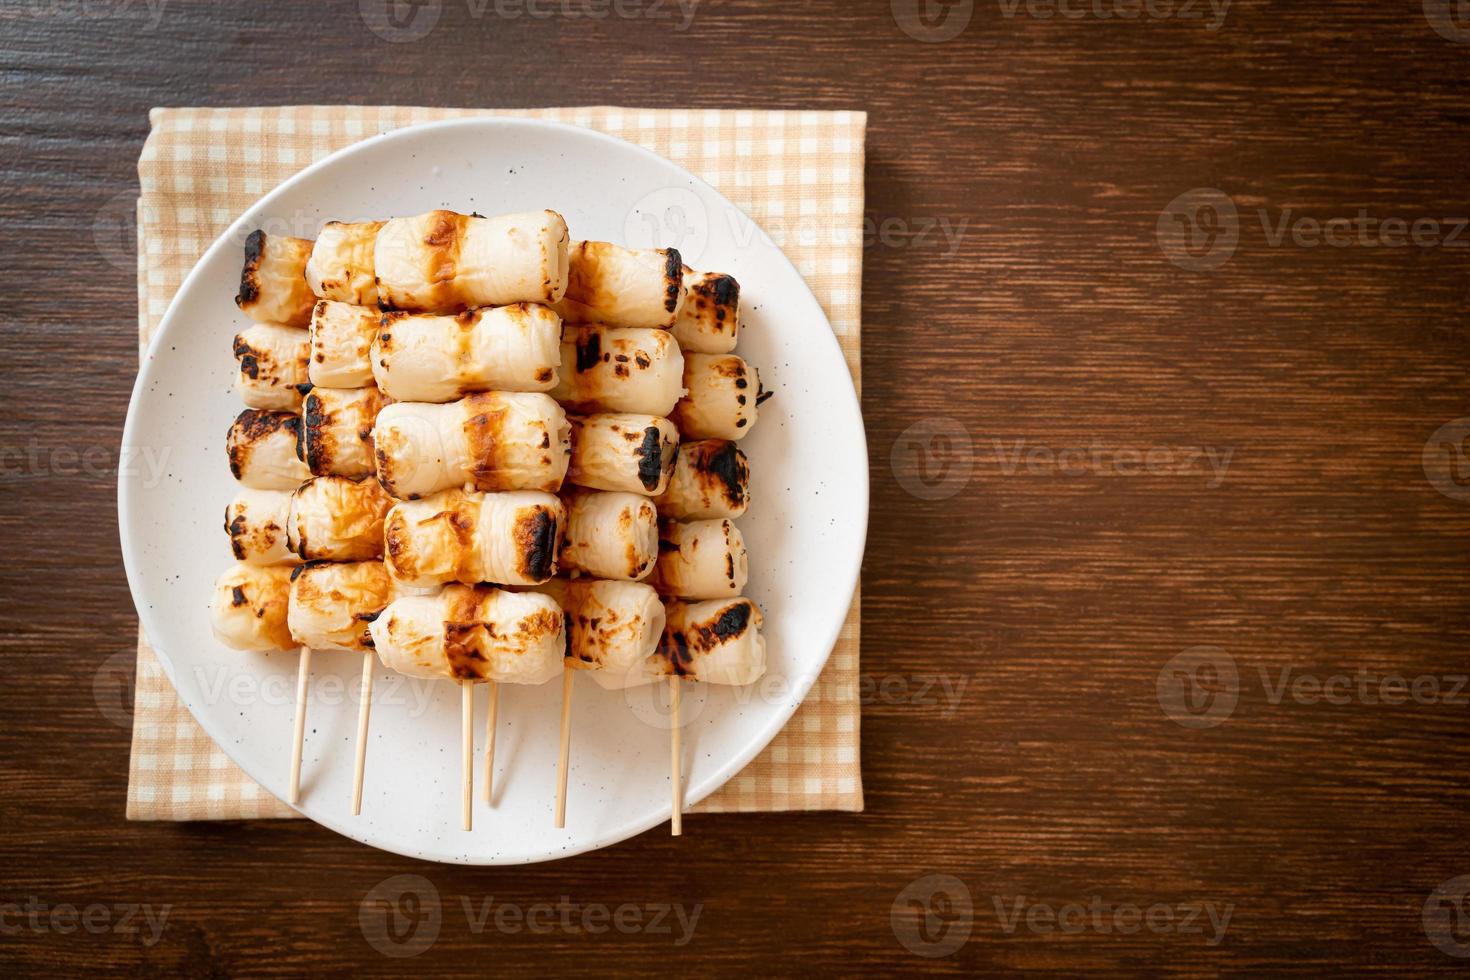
248, 611
341, 264
273, 285
332, 603
633, 453
609, 535
337, 430
337, 519
256, 521
614, 629
273, 362
620, 369
711, 479
715, 642
722, 398
469, 633
709, 320
496, 440
455, 536
443, 262
701, 560
262, 450
423, 358
341, 342
622, 287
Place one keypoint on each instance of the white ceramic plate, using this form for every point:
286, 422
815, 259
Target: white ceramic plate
805, 528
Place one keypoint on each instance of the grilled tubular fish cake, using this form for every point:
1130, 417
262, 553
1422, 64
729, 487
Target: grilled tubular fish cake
273, 366
256, 521
623, 452
262, 449
701, 560
491, 441
273, 285
337, 430
709, 320
458, 536
249, 607
341, 266
614, 629
424, 358
341, 342
473, 633
620, 369
717, 642
333, 518
711, 479
722, 399
623, 287
332, 603
609, 535
444, 262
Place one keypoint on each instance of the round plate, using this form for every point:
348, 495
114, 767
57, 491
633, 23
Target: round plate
805, 528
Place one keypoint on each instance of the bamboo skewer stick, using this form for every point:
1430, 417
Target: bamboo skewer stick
675, 758
490, 740
467, 753
303, 675
363, 710
566, 747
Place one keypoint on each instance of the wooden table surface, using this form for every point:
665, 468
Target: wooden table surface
1165, 627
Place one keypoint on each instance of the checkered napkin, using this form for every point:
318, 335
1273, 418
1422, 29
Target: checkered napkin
201, 168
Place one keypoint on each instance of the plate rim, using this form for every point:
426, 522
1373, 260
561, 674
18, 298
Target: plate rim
848, 578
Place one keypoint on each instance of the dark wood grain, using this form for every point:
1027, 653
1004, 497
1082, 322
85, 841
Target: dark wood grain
1054, 596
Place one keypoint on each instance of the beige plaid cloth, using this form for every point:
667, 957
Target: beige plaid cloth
201, 168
